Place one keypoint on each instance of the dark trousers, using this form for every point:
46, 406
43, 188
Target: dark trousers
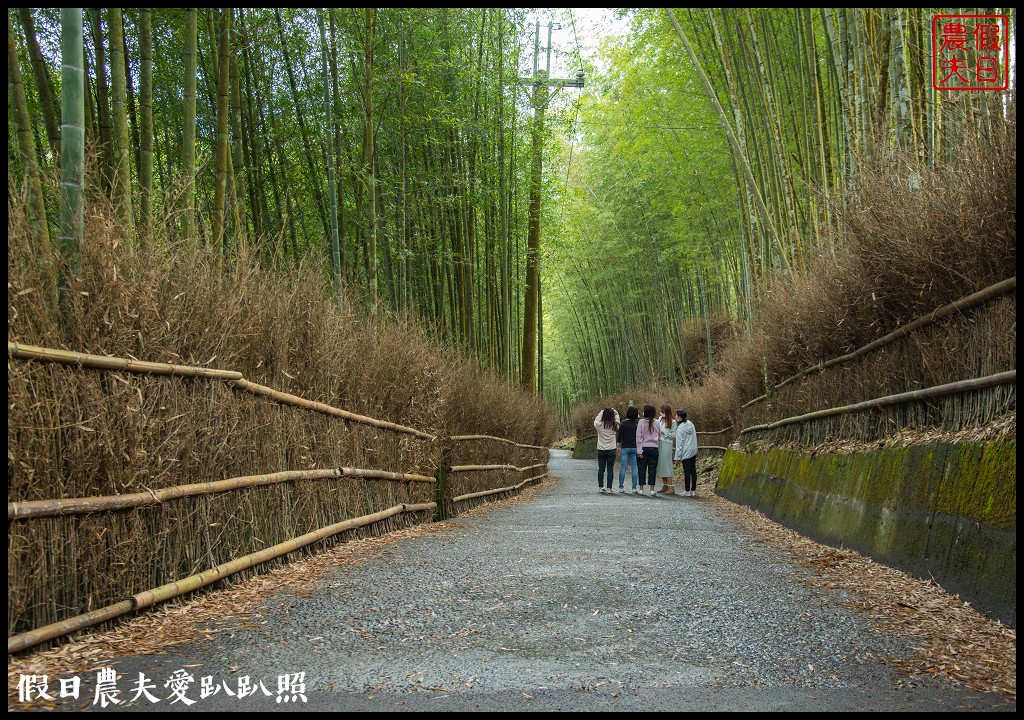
648, 465
605, 461
690, 473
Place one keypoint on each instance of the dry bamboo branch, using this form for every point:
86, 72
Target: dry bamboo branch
75, 506
964, 303
1003, 378
179, 587
103, 362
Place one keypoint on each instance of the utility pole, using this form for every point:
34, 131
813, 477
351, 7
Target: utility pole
531, 306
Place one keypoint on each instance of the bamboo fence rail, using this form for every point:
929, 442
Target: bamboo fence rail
289, 399
982, 296
462, 438
104, 362
476, 468
699, 432
495, 491
151, 597
1003, 378
75, 506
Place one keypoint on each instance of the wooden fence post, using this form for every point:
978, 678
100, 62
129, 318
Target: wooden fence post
444, 463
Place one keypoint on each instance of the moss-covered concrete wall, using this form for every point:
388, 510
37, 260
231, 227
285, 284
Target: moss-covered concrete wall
948, 511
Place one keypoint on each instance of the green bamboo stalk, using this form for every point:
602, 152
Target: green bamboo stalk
220, 236
42, 78
102, 100
33, 181
237, 155
329, 142
741, 157
72, 153
146, 129
188, 143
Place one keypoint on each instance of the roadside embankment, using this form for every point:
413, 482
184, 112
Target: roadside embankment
944, 510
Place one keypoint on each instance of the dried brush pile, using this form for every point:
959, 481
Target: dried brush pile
76, 432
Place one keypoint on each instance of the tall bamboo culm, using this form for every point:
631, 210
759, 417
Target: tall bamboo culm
72, 154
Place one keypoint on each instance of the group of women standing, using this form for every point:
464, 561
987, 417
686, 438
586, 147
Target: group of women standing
646, 445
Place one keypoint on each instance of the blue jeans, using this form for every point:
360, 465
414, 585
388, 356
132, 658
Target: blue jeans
627, 455
648, 465
605, 459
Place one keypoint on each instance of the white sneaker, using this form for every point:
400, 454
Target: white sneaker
622, 490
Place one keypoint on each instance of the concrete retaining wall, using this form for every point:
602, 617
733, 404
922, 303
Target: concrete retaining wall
940, 510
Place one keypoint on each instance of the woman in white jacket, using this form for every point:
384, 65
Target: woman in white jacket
666, 434
686, 452
607, 425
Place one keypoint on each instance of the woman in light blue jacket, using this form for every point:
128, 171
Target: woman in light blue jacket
686, 452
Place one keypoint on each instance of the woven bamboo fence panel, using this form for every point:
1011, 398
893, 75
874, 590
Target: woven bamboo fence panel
125, 431
961, 345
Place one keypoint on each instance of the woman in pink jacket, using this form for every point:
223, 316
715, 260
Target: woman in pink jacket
648, 435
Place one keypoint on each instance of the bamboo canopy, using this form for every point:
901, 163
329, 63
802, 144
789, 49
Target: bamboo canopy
1003, 378
180, 587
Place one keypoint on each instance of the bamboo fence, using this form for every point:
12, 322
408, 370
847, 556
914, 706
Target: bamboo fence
965, 303
103, 362
959, 388
176, 588
88, 542
974, 337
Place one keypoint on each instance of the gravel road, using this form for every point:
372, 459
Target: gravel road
571, 601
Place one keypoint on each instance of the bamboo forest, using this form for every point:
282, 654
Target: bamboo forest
579, 236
